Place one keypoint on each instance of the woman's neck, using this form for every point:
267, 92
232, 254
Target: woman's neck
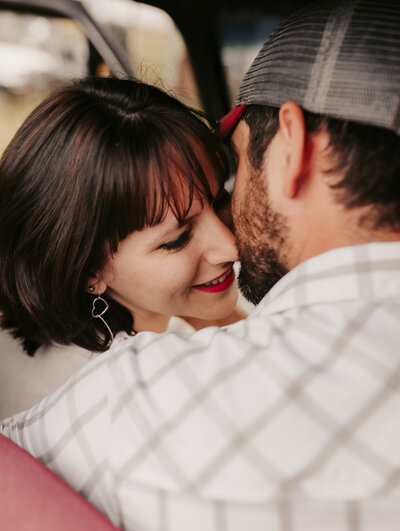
155, 322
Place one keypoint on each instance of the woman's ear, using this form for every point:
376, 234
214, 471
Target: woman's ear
293, 135
95, 285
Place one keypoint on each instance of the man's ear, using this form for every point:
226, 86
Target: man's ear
293, 134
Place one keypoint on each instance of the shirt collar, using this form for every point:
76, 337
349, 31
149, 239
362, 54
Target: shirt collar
367, 271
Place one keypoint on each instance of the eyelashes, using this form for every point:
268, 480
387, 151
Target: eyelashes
179, 243
222, 201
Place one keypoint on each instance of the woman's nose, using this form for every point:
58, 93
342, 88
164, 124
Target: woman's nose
220, 244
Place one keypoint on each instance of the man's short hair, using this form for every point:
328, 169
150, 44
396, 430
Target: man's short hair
366, 157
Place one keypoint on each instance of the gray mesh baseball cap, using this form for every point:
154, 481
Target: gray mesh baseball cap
340, 59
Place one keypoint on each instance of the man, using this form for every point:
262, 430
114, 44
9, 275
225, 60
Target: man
287, 420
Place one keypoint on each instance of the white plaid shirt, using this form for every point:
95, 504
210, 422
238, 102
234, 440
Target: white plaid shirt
288, 420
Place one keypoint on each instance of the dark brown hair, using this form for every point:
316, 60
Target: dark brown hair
94, 162
367, 157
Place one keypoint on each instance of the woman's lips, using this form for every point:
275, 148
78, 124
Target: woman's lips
220, 283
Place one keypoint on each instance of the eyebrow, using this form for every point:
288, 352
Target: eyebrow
186, 220
170, 230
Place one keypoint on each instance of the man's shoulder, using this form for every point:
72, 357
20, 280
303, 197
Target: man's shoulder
336, 300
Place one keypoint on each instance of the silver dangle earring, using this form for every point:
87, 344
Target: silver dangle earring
99, 308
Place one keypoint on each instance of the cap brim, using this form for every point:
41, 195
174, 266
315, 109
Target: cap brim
228, 122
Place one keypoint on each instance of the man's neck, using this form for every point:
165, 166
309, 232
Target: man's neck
345, 229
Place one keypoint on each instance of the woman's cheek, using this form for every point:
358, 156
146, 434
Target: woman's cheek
182, 273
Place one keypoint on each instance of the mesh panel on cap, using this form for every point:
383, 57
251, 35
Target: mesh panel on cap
338, 59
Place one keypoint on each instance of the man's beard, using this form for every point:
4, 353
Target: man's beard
259, 274
261, 238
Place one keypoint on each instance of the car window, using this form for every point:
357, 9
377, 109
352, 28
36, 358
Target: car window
37, 54
242, 35
156, 49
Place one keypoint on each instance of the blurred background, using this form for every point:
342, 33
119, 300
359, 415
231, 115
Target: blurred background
197, 50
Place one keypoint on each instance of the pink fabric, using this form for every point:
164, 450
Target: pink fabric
33, 498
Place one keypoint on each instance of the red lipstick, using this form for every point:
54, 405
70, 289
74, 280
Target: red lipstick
219, 286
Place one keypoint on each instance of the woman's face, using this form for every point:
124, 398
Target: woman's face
173, 269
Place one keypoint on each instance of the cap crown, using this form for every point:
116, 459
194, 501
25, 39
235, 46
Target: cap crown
340, 59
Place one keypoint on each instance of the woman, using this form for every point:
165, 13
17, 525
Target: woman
109, 201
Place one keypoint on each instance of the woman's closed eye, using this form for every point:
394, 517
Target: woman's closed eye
179, 243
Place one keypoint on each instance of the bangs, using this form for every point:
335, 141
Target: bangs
175, 178
161, 174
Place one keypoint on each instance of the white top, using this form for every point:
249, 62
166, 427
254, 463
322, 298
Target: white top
288, 420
